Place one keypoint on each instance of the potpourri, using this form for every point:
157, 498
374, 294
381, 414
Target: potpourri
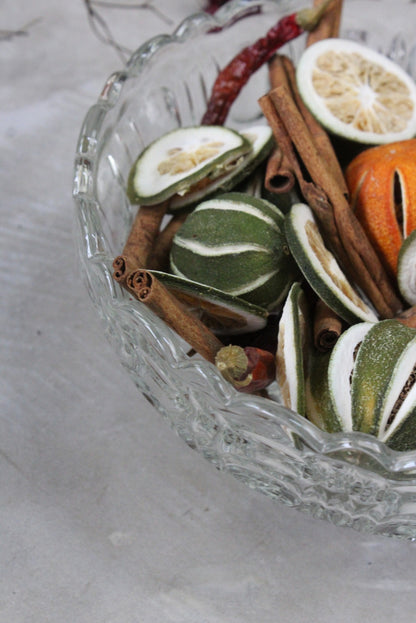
288, 281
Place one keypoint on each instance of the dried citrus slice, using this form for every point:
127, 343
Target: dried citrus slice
374, 368
320, 267
223, 313
406, 269
176, 161
397, 425
357, 93
318, 404
235, 243
261, 140
291, 347
340, 368
401, 434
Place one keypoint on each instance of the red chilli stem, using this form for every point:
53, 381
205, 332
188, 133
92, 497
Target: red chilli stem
236, 74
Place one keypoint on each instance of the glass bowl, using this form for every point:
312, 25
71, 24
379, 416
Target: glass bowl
347, 479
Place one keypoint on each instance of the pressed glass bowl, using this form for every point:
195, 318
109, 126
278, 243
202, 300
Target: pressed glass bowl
348, 479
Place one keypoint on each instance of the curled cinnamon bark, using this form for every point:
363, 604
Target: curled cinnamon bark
282, 73
279, 177
329, 23
327, 327
140, 241
159, 256
150, 291
313, 195
317, 132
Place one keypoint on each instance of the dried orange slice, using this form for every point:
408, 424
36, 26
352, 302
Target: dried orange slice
382, 185
356, 92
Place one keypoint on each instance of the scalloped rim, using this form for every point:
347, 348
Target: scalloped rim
396, 464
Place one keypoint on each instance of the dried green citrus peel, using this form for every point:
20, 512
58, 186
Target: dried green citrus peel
175, 162
320, 267
373, 371
261, 141
292, 345
318, 405
235, 243
340, 368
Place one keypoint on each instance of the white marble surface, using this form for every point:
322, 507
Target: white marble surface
105, 515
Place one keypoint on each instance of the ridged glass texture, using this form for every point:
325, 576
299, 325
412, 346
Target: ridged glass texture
347, 479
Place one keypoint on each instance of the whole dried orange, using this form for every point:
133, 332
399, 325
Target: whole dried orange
382, 185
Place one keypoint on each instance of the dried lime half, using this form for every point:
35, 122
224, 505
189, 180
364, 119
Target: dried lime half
357, 93
292, 344
401, 435
176, 161
221, 312
261, 140
406, 269
397, 425
320, 267
374, 367
318, 405
340, 368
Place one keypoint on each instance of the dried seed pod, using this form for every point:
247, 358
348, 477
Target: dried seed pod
249, 369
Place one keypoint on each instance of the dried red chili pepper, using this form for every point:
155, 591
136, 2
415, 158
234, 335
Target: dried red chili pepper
235, 75
249, 369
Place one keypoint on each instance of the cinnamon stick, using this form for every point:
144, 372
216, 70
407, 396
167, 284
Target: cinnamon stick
327, 327
313, 195
282, 73
278, 75
140, 241
317, 132
279, 176
159, 256
370, 275
329, 23
150, 291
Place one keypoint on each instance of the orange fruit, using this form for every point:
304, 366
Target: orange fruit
382, 185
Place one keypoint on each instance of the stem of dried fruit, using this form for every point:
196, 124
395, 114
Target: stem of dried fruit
249, 369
